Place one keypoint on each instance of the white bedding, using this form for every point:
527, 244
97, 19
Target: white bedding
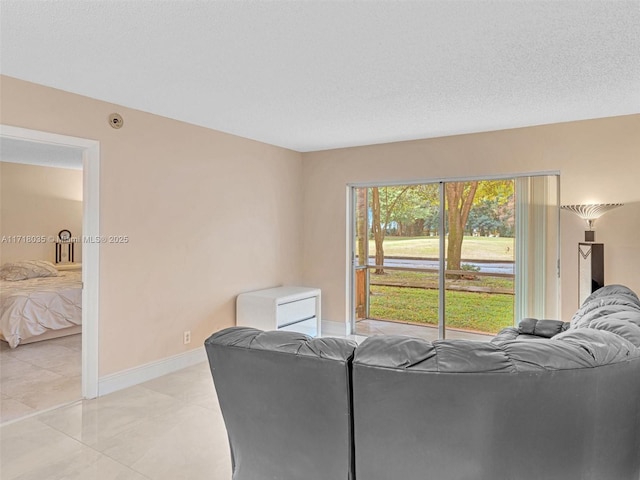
34, 306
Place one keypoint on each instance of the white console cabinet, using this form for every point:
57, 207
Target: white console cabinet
295, 309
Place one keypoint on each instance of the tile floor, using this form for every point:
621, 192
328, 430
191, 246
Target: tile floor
38, 376
167, 428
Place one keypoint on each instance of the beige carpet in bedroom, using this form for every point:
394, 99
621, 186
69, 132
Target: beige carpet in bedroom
39, 376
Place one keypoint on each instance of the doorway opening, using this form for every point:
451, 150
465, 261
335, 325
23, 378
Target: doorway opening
88, 158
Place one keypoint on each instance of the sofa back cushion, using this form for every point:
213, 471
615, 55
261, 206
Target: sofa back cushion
286, 403
605, 301
571, 349
613, 289
625, 323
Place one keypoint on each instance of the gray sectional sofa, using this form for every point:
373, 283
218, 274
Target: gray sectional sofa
546, 400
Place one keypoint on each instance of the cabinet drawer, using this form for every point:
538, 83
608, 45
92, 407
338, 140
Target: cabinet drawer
295, 311
308, 327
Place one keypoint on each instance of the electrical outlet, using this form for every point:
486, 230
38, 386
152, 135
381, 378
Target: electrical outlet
186, 337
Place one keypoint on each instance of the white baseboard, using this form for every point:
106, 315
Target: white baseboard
134, 376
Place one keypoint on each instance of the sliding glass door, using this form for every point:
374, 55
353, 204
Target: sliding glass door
453, 257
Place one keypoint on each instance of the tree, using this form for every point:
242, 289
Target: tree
378, 230
414, 208
392, 196
404, 213
459, 200
484, 219
492, 216
361, 224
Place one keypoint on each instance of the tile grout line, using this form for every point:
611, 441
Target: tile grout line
40, 412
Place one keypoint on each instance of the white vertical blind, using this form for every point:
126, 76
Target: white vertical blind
537, 251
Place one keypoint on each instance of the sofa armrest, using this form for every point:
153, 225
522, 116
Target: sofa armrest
505, 335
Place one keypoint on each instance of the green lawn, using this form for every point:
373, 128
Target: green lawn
473, 248
481, 312
393, 296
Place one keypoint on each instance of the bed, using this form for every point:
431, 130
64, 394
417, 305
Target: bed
42, 307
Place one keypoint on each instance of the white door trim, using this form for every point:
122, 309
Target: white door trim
90, 249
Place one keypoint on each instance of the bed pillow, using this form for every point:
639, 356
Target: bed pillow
26, 269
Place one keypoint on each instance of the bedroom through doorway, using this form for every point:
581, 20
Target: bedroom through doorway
44, 362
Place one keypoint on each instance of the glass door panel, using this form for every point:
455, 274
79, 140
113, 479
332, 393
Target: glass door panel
479, 299
402, 269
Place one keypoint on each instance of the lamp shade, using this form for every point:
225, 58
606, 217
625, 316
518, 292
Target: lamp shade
589, 212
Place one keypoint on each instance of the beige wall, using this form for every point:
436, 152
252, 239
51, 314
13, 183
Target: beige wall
208, 215
598, 160
38, 201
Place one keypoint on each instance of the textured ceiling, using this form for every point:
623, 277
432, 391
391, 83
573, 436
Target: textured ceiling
314, 75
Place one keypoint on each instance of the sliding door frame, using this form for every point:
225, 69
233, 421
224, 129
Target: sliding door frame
350, 240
